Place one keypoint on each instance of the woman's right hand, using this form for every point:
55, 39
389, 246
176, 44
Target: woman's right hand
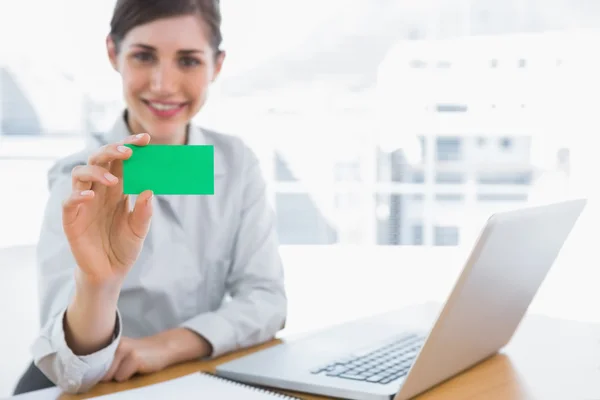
105, 236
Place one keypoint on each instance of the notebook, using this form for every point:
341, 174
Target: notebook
198, 385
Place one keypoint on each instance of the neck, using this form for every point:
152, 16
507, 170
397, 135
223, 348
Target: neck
179, 138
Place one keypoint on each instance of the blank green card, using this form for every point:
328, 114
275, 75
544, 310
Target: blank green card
170, 170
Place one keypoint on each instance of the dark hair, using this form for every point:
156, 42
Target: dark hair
131, 13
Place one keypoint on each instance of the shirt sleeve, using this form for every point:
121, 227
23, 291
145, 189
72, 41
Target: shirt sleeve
55, 269
72, 373
258, 305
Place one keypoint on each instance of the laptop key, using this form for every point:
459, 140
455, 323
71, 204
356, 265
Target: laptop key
320, 369
375, 378
356, 377
396, 376
376, 365
337, 370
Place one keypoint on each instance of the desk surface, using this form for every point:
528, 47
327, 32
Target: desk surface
546, 359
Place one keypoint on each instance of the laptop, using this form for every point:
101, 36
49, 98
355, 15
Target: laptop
381, 357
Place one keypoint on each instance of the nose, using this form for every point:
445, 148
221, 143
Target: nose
164, 79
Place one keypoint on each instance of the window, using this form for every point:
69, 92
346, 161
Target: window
313, 94
417, 176
505, 178
506, 143
390, 224
417, 235
451, 108
301, 221
283, 171
449, 197
320, 96
394, 167
446, 235
502, 197
450, 177
449, 148
18, 116
348, 201
347, 171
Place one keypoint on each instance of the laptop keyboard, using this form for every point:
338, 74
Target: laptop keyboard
381, 364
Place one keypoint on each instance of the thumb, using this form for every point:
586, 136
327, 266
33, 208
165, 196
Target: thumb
139, 218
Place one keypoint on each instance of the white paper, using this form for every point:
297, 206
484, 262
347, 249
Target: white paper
194, 386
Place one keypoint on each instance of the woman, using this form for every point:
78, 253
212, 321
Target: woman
133, 285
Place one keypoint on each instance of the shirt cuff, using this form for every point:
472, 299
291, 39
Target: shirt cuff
216, 330
76, 373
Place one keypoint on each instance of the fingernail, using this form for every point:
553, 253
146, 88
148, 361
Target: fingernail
123, 149
133, 138
86, 193
111, 177
149, 200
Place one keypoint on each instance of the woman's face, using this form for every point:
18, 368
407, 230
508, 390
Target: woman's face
166, 67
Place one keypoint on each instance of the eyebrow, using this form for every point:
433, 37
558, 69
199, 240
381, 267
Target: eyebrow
184, 51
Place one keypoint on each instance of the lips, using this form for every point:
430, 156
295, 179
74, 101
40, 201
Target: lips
165, 109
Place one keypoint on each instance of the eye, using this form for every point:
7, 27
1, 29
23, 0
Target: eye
144, 56
189, 62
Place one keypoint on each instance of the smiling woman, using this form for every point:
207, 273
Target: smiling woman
120, 296
167, 63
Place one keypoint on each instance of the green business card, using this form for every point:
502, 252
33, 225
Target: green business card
170, 170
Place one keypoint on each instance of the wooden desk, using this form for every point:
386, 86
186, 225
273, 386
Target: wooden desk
547, 359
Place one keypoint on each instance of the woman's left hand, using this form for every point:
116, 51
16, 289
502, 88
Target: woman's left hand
137, 356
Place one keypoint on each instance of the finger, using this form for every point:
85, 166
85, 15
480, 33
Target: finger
128, 368
83, 176
117, 151
120, 354
109, 376
107, 153
139, 218
141, 139
72, 203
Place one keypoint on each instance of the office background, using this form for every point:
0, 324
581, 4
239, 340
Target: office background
387, 130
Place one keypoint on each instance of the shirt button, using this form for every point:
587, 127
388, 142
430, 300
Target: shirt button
71, 383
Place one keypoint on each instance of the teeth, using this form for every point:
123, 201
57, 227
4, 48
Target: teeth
164, 107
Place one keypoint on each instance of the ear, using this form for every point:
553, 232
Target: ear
111, 50
220, 59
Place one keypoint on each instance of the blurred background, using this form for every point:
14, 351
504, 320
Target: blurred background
388, 131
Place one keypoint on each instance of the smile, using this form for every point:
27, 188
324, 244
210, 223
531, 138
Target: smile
164, 110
